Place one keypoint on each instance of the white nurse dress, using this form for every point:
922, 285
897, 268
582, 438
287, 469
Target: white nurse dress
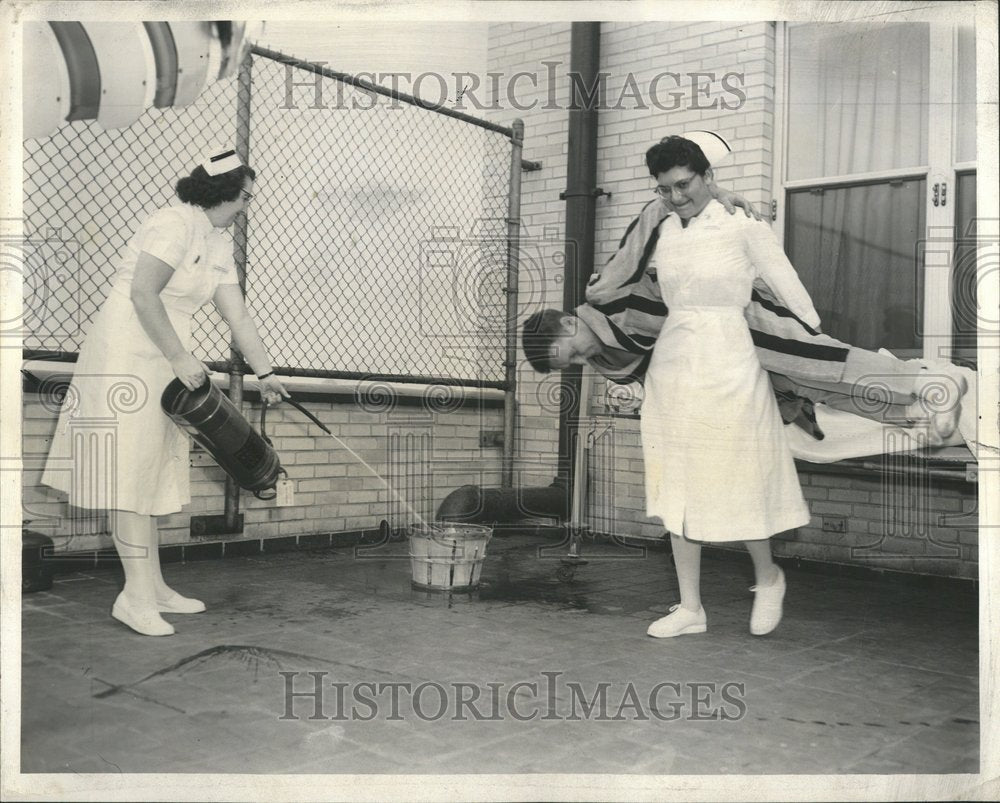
718, 467
113, 447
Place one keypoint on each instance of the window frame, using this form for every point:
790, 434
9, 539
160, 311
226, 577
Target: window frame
936, 251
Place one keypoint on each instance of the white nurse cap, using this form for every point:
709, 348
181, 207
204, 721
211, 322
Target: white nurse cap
222, 163
715, 148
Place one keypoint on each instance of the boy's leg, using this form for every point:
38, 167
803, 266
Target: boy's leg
889, 390
902, 381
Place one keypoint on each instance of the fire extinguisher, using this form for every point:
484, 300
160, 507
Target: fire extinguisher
215, 423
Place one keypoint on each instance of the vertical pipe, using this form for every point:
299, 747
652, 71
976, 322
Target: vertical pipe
236, 365
580, 195
513, 255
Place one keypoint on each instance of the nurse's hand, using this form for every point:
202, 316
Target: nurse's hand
189, 370
272, 391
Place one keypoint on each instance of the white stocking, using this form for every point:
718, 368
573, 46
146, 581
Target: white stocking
137, 545
764, 568
165, 595
163, 591
687, 562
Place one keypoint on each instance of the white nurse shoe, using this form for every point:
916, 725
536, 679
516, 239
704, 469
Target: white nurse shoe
679, 622
142, 619
767, 606
176, 603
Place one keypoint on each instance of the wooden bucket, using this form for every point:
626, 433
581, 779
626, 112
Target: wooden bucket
447, 556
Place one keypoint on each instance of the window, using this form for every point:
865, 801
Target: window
853, 245
877, 172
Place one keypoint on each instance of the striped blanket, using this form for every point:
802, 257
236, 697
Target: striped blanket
626, 311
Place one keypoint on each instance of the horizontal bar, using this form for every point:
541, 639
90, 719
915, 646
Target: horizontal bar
378, 90
222, 366
308, 386
405, 379
868, 466
341, 387
914, 173
49, 356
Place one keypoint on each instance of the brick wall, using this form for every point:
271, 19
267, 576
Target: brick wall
879, 530
881, 519
925, 525
513, 48
425, 454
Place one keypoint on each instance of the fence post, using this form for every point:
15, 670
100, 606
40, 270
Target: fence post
513, 255
231, 514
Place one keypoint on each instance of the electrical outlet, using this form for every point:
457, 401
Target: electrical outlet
490, 438
835, 524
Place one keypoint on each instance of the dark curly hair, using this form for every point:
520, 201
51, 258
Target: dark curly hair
208, 191
537, 336
674, 151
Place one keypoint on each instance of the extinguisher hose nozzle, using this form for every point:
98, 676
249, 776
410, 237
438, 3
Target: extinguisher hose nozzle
297, 406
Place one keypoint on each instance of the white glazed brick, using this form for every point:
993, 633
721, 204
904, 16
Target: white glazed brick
623, 126
703, 28
691, 43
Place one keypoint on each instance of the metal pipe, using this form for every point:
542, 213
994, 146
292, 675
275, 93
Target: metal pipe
472, 504
223, 367
513, 257
580, 195
375, 89
231, 514
406, 379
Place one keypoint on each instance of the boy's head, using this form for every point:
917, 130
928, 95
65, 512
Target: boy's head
553, 340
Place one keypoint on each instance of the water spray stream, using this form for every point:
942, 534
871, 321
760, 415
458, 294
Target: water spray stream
355, 455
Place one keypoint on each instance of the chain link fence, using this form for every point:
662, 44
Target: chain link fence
86, 190
375, 245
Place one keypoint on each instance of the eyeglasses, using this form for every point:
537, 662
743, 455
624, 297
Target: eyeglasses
247, 196
663, 192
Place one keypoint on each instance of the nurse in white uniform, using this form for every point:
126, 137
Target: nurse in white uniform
717, 464
135, 466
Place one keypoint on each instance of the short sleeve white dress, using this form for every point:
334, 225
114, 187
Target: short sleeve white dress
114, 448
717, 464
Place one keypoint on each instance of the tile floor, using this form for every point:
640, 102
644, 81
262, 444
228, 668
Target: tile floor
863, 676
